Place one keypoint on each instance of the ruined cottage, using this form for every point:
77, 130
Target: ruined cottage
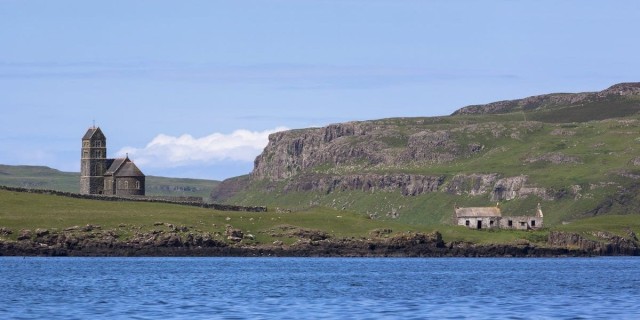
99, 175
491, 218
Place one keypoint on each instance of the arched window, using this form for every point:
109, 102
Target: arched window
126, 184
138, 185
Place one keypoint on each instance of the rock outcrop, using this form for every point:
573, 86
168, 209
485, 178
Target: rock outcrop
309, 243
598, 243
372, 144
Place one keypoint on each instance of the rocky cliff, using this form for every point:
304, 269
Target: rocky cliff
373, 156
376, 146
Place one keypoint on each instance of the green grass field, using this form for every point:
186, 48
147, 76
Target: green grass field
32, 211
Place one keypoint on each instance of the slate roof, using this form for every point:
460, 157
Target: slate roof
115, 165
129, 169
478, 212
123, 167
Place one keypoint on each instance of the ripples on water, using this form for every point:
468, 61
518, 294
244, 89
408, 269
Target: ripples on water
294, 288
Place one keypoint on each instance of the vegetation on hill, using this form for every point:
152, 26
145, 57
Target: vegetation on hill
577, 155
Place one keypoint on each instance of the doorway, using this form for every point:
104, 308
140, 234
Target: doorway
479, 224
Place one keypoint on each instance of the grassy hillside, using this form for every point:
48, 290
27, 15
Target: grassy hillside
31, 211
586, 158
604, 151
39, 177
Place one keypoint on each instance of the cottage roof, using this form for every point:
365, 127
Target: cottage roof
123, 167
478, 212
93, 131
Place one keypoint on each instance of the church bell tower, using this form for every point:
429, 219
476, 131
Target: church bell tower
93, 161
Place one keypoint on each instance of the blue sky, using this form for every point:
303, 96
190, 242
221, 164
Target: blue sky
193, 88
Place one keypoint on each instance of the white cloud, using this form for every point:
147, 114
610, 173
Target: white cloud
167, 151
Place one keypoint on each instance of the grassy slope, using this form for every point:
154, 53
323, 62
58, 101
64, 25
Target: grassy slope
605, 149
31, 211
39, 177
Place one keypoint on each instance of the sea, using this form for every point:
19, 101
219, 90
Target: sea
319, 288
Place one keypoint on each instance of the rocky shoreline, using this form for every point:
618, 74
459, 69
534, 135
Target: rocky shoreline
106, 244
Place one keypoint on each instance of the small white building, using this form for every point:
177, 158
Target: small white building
491, 218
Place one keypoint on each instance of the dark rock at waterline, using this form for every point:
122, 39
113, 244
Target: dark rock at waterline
159, 243
25, 234
4, 231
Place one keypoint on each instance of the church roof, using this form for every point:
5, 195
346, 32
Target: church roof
115, 165
129, 169
123, 167
91, 132
478, 212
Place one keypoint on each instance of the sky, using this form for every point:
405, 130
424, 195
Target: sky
193, 88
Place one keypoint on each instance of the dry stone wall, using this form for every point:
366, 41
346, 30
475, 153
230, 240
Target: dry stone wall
171, 200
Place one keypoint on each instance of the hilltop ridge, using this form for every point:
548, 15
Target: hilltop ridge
552, 100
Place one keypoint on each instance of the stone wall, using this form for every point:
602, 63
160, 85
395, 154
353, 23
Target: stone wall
215, 206
484, 222
521, 222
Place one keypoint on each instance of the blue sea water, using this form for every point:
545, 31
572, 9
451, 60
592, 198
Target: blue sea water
319, 288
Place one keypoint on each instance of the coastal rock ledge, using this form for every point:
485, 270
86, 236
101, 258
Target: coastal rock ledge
176, 243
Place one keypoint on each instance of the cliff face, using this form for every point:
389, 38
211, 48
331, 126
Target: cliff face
367, 156
374, 144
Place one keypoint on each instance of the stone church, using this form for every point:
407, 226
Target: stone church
99, 175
